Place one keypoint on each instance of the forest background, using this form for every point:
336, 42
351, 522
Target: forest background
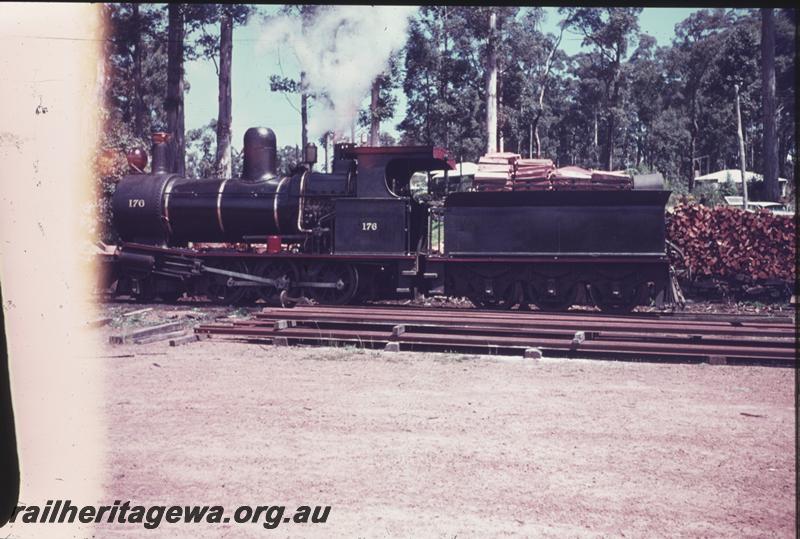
637, 89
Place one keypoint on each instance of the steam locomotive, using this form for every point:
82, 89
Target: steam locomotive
363, 232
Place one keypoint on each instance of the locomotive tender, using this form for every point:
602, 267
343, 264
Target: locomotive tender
361, 232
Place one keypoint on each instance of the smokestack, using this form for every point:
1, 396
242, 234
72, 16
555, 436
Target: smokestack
160, 151
260, 154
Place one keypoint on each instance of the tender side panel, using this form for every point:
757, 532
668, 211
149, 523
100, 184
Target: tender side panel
555, 223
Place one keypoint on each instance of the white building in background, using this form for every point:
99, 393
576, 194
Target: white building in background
734, 176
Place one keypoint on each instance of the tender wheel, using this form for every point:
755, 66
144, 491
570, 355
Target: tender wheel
552, 294
492, 287
220, 293
344, 276
170, 297
506, 296
279, 270
616, 298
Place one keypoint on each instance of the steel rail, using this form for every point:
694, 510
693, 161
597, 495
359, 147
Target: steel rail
586, 335
586, 324
786, 341
736, 320
585, 348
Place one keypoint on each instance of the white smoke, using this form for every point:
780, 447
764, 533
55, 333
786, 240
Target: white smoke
341, 49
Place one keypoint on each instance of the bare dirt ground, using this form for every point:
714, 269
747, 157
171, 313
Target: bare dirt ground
435, 445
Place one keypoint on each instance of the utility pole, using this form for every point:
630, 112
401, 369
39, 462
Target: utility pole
741, 147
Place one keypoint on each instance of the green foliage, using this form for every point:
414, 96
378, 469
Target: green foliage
443, 80
201, 146
288, 159
714, 194
283, 84
149, 34
387, 81
200, 16
109, 166
136, 32
649, 102
654, 106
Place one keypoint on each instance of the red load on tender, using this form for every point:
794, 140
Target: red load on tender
570, 178
571, 173
533, 168
503, 171
500, 158
533, 174
611, 180
495, 171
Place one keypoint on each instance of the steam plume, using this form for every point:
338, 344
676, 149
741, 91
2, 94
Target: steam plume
341, 49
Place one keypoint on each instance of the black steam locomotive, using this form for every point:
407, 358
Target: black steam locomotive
363, 232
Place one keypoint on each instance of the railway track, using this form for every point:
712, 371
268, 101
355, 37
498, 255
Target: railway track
637, 337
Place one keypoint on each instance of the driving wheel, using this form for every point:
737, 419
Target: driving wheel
342, 281
220, 293
279, 270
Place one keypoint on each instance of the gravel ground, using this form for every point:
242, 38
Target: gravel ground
435, 445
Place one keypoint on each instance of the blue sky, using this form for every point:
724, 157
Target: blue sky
255, 105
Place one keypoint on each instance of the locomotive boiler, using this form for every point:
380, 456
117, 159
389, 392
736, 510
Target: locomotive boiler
363, 232
166, 208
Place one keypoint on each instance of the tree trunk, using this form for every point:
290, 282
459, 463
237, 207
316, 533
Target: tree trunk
542, 87
784, 138
639, 149
374, 123
303, 109
327, 136
692, 141
596, 156
535, 131
491, 88
608, 148
501, 141
174, 101
768, 87
530, 140
223, 158
740, 134
138, 97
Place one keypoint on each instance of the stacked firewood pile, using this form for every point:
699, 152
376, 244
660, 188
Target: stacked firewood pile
733, 245
509, 172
